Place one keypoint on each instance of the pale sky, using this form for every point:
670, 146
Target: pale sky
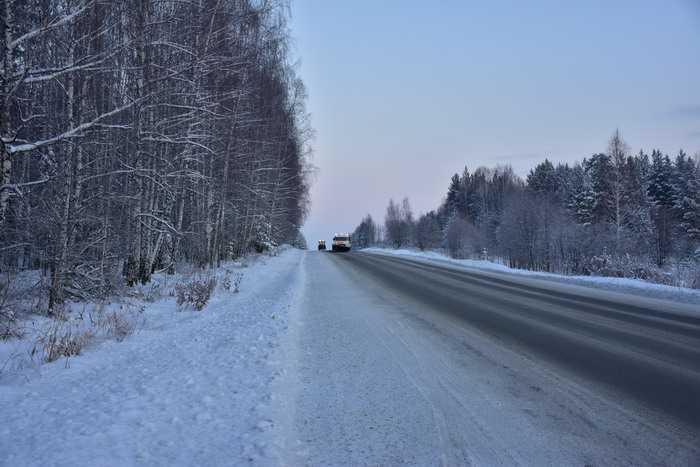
403, 94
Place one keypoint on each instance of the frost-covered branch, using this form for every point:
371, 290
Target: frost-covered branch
54, 23
77, 131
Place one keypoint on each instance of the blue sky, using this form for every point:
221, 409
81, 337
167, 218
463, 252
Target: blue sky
405, 93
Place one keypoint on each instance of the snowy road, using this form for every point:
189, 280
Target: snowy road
407, 363
356, 359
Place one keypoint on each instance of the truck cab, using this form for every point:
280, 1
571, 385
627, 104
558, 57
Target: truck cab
341, 242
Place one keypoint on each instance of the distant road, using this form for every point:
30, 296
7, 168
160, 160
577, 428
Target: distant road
408, 362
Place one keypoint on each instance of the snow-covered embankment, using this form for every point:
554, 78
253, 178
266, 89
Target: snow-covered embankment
636, 287
187, 388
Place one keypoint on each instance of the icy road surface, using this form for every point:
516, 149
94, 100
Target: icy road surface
407, 364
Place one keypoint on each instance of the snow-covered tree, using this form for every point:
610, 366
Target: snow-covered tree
427, 232
137, 134
365, 234
686, 198
660, 191
613, 213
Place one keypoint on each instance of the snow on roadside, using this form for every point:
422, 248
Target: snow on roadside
615, 284
188, 388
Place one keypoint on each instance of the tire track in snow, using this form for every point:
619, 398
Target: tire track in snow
438, 416
486, 446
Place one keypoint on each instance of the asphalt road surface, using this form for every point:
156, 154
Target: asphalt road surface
407, 362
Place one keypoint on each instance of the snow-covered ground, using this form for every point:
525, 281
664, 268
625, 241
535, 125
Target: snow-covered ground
315, 362
187, 388
615, 284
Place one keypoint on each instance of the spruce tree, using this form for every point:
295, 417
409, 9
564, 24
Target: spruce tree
453, 193
686, 198
660, 192
600, 170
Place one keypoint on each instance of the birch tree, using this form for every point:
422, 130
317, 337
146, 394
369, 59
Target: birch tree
140, 134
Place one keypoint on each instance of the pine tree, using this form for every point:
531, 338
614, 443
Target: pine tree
428, 234
686, 197
635, 205
465, 198
660, 190
453, 195
543, 180
564, 179
660, 186
600, 170
543, 183
581, 200
476, 193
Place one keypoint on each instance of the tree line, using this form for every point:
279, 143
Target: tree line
614, 213
139, 133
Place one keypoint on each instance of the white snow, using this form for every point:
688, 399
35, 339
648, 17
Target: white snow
188, 388
615, 284
312, 363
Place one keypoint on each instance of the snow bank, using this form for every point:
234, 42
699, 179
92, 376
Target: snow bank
631, 286
187, 388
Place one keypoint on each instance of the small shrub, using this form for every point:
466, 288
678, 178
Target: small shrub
261, 246
9, 329
8, 320
226, 282
153, 292
196, 292
117, 326
8, 323
624, 266
63, 341
689, 274
598, 265
232, 281
695, 281
237, 279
